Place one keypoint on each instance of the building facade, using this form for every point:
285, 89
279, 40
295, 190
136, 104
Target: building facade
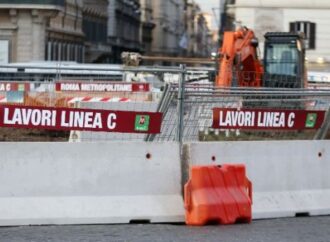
34, 31
22, 29
124, 27
100, 30
169, 19
310, 17
192, 11
95, 20
198, 31
147, 25
64, 34
200, 41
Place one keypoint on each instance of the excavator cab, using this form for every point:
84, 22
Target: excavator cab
284, 56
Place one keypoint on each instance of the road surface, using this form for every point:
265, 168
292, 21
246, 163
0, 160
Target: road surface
302, 229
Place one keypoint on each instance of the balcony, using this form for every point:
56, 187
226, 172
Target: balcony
30, 3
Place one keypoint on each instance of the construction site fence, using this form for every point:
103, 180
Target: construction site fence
186, 97
196, 111
34, 84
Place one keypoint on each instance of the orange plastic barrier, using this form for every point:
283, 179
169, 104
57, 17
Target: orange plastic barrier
218, 194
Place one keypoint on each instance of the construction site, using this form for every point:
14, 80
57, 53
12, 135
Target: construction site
235, 139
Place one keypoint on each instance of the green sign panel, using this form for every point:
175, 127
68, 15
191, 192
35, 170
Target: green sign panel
311, 120
142, 122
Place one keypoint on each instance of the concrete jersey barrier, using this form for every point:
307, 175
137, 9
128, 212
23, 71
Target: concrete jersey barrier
289, 177
86, 183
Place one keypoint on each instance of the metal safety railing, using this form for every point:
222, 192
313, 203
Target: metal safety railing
38, 85
199, 102
187, 98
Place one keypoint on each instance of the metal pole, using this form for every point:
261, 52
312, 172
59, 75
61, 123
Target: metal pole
322, 132
180, 128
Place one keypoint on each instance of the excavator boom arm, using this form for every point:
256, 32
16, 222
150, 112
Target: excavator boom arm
239, 64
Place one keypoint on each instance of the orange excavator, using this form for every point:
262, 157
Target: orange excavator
239, 63
282, 66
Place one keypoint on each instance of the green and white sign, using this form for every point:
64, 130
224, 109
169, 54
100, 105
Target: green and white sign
311, 120
142, 122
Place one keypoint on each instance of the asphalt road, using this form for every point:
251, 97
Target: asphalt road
303, 229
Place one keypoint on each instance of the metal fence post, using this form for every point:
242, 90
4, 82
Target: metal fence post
180, 128
180, 110
322, 132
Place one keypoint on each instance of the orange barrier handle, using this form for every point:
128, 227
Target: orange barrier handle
187, 194
249, 188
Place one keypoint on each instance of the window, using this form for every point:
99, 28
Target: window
282, 59
48, 50
308, 28
95, 30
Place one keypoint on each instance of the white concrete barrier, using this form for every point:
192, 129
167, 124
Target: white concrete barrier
85, 183
289, 177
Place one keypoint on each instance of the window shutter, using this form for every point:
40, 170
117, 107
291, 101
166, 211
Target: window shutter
292, 27
309, 30
312, 36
